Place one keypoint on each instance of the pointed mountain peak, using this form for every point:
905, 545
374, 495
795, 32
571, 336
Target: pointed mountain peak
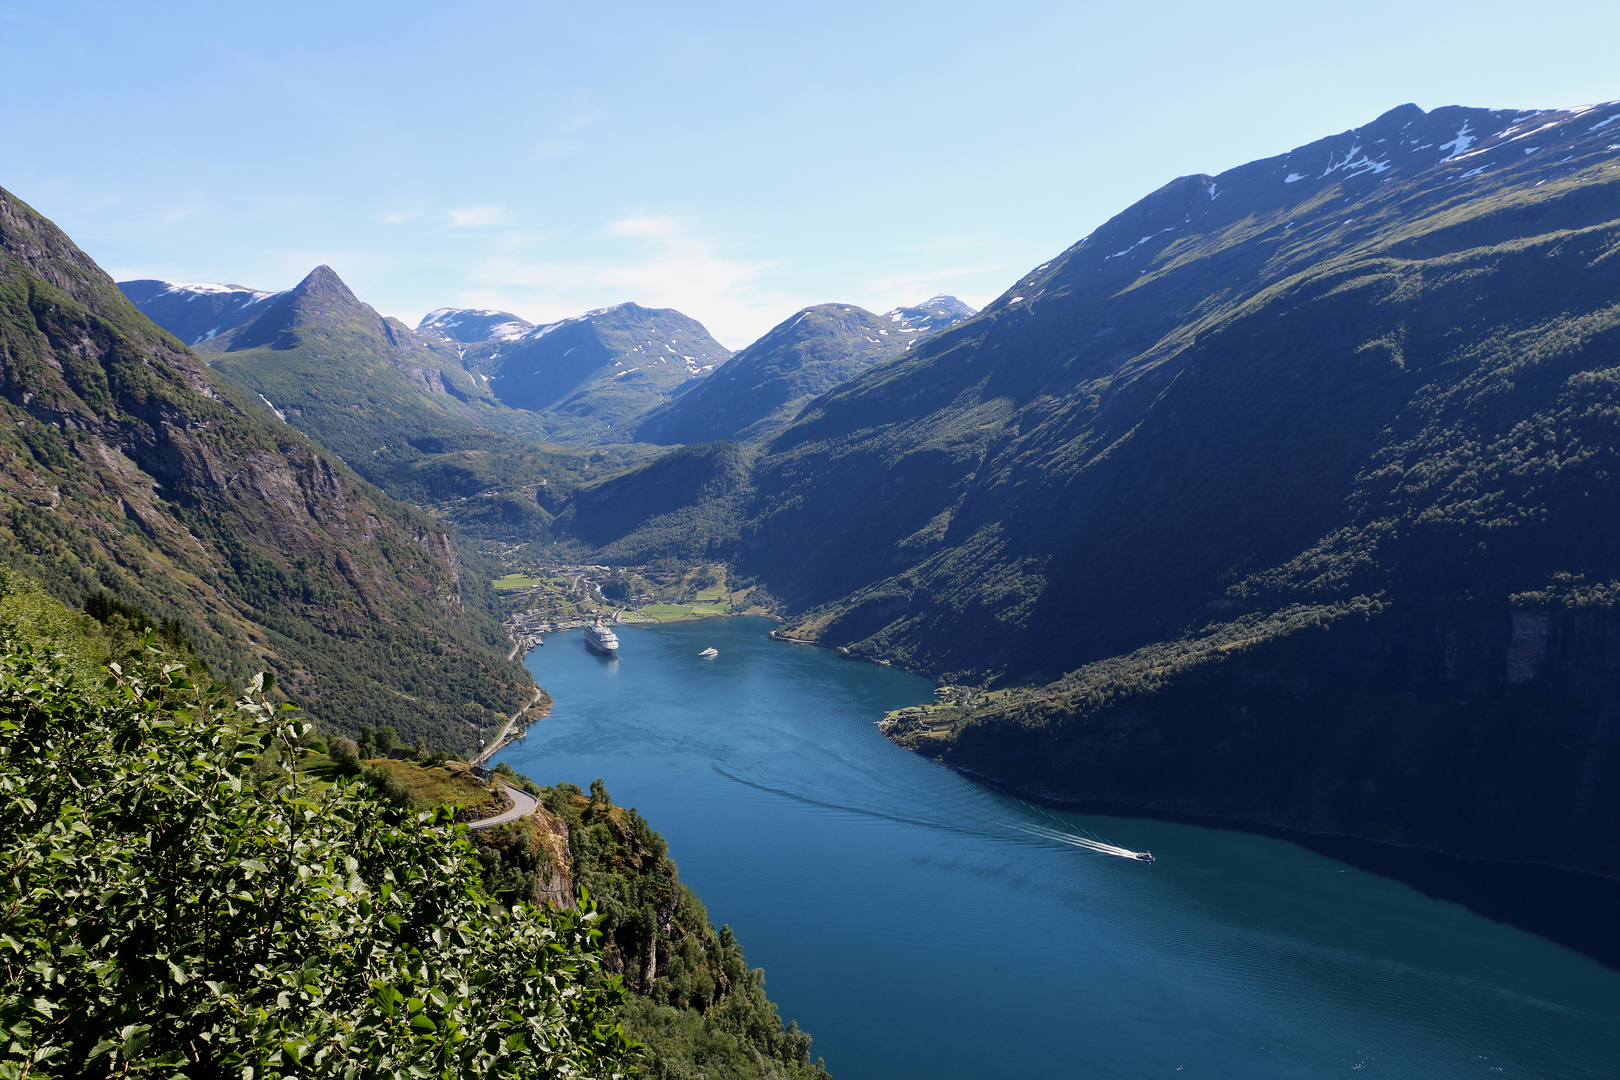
321, 300
324, 282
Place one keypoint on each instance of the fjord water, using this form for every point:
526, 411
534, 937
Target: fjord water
918, 924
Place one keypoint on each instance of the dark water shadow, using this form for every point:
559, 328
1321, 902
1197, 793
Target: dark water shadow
1579, 911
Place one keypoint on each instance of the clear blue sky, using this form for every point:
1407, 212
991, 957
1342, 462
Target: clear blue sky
734, 160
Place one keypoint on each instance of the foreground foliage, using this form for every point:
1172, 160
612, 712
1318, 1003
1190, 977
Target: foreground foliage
166, 915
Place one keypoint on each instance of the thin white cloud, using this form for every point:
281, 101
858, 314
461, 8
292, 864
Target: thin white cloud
664, 262
179, 214
902, 290
474, 216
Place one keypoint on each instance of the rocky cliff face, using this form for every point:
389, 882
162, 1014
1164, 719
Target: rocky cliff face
531, 854
125, 466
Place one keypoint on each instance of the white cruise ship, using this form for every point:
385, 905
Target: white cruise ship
601, 639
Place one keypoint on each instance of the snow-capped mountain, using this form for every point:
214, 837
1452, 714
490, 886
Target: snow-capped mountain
196, 312
603, 366
932, 315
473, 325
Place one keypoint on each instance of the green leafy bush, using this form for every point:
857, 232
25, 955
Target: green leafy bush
165, 914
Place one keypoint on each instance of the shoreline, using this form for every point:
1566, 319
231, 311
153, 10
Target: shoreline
507, 736
844, 653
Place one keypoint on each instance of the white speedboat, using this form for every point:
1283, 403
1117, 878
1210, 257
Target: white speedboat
601, 639
710, 653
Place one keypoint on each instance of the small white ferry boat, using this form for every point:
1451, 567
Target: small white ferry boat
601, 639
710, 653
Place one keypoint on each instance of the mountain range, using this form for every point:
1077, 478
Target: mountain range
761, 389
587, 379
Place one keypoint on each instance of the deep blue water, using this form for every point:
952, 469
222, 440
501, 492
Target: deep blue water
918, 925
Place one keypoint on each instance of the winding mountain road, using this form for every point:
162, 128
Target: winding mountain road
523, 804
500, 740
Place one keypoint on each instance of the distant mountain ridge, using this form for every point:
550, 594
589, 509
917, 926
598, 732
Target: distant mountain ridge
932, 315
196, 312
589, 378
397, 406
472, 325
761, 389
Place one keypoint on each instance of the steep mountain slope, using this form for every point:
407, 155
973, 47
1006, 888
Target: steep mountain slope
760, 390
590, 378
399, 409
1301, 473
194, 313
126, 467
1121, 432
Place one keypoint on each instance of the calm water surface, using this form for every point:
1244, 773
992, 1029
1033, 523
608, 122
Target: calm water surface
918, 924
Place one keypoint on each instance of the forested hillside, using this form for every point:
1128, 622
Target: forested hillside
181, 901
127, 468
694, 1003
415, 925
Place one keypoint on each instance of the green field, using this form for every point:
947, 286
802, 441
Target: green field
671, 612
518, 581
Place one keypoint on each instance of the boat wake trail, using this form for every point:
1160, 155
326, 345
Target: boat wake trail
1086, 843
1059, 832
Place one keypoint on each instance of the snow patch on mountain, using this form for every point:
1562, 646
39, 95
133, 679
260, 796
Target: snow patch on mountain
1459, 145
474, 324
207, 288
